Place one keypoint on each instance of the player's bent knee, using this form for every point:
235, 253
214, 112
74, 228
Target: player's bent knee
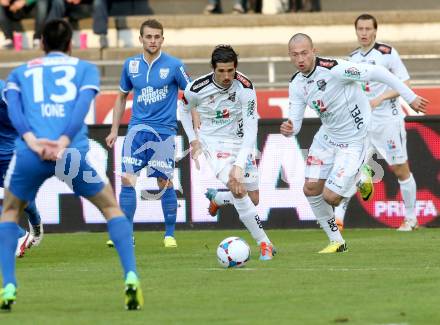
162, 183
128, 180
332, 198
12, 208
311, 189
255, 197
401, 171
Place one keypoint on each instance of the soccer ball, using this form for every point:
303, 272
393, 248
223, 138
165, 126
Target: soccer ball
233, 252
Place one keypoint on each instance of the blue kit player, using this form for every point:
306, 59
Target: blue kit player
155, 78
48, 99
7, 145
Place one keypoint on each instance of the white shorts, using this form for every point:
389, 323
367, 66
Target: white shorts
338, 163
389, 140
221, 157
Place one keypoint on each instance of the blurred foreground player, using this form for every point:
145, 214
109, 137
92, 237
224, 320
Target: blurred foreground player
48, 99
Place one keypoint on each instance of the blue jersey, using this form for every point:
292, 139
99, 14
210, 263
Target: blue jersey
49, 87
155, 89
7, 132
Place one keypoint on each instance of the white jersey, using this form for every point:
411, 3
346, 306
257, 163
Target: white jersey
388, 57
332, 89
227, 116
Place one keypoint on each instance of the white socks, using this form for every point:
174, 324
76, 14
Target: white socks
408, 188
341, 209
324, 214
249, 216
224, 198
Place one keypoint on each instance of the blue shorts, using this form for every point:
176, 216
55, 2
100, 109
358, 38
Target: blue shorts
27, 172
3, 168
147, 149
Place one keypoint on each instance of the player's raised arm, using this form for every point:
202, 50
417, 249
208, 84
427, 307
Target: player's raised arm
364, 72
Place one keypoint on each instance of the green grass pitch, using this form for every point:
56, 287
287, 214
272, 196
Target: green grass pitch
386, 277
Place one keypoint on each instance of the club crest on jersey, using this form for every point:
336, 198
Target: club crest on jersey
133, 66
232, 97
163, 73
321, 84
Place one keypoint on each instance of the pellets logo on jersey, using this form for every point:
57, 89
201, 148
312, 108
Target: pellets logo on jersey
321, 84
163, 72
222, 114
353, 73
366, 87
318, 106
133, 66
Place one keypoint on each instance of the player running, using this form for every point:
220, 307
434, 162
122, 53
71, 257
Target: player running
155, 78
387, 127
7, 145
226, 103
48, 99
339, 147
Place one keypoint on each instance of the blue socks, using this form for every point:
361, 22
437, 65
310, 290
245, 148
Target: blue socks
169, 208
32, 214
8, 243
127, 201
121, 233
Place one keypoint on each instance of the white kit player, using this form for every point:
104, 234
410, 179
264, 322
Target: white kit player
387, 127
331, 87
226, 104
